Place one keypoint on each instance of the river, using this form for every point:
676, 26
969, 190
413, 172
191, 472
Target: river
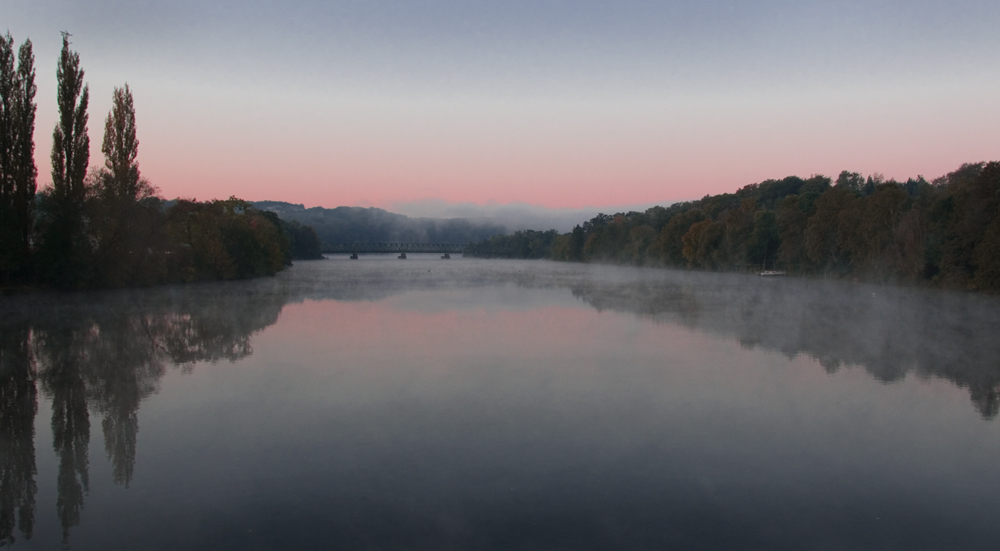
493, 404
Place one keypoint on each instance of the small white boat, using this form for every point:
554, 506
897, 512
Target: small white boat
772, 273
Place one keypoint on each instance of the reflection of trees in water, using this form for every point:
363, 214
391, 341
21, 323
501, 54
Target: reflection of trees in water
63, 380
888, 331
106, 352
123, 366
18, 405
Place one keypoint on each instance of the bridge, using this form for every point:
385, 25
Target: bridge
358, 248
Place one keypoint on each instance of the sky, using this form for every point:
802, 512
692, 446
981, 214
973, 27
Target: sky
562, 104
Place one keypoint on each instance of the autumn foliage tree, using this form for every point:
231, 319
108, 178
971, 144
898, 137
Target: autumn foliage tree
224, 240
944, 233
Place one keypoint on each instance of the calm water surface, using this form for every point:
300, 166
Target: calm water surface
470, 404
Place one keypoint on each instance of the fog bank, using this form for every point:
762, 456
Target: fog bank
513, 216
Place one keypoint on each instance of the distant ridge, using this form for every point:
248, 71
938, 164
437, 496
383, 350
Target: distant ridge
375, 225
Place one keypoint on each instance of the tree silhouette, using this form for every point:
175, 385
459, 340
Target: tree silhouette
120, 146
62, 250
17, 163
121, 217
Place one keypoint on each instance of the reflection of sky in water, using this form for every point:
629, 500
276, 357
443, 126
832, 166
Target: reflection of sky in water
482, 407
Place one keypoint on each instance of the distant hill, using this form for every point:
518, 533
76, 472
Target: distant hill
374, 225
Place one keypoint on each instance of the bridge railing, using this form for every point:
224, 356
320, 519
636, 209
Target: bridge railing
349, 248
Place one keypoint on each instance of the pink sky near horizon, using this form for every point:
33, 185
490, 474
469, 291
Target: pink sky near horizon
569, 159
616, 108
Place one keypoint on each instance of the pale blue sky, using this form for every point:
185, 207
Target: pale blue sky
548, 102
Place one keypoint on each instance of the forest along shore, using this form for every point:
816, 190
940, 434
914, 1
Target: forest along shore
943, 233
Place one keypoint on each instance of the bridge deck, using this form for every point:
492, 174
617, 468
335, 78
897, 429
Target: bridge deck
348, 248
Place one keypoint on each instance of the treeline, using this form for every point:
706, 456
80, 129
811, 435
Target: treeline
107, 227
374, 225
521, 244
945, 232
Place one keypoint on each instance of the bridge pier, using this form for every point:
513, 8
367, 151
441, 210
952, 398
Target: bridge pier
354, 249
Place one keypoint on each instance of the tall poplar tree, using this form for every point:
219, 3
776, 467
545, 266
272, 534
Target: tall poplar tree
120, 146
26, 173
17, 163
121, 223
63, 248
7, 85
70, 143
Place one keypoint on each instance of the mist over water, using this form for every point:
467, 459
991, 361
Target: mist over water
432, 404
